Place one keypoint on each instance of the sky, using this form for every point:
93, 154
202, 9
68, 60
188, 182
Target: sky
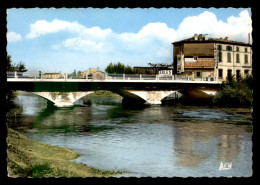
64, 40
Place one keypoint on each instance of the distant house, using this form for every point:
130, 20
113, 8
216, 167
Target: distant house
94, 74
148, 70
52, 75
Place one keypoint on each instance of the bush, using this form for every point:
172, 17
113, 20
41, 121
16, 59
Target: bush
41, 170
234, 93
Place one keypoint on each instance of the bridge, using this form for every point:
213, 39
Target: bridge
150, 89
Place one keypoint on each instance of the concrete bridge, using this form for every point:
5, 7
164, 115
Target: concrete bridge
150, 89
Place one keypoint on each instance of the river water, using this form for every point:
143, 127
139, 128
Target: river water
155, 140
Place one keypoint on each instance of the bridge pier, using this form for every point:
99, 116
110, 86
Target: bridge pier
152, 97
63, 99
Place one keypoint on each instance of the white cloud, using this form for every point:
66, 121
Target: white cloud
153, 39
42, 27
96, 32
13, 37
152, 43
155, 30
236, 28
79, 43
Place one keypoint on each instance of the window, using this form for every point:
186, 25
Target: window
246, 72
219, 47
229, 48
245, 49
197, 74
220, 73
238, 75
229, 57
237, 48
229, 73
237, 58
246, 59
220, 57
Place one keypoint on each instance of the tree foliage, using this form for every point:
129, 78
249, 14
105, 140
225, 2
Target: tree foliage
20, 67
119, 68
11, 94
158, 65
235, 92
9, 66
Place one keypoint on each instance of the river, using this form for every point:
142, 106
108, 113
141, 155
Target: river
156, 140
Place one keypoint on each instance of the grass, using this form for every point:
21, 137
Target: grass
30, 158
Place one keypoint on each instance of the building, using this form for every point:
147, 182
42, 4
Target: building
148, 70
52, 75
201, 57
94, 74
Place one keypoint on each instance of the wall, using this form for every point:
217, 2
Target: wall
199, 49
233, 65
210, 51
205, 59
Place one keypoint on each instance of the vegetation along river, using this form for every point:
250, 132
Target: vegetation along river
156, 140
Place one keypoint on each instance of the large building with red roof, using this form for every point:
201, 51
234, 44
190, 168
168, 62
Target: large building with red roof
201, 57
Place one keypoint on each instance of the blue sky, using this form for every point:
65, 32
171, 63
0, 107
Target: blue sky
54, 40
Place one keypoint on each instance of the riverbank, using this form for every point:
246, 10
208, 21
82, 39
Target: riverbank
30, 158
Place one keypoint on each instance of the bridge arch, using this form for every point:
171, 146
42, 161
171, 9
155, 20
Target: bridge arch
174, 95
63, 99
22, 92
48, 100
191, 95
147, 97
197, 95
129, 97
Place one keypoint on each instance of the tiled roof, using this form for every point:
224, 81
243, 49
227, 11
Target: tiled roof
201, 63
211, 40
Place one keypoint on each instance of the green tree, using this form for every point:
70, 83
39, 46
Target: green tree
109, 68
11, 94
119, 68
129, 70
74, 74
235, 93
20, 67
156, 66
79, 74
9, 66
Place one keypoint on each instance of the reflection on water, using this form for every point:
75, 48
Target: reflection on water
165, 140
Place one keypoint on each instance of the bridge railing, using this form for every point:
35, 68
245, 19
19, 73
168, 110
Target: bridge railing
140, 77
15, 74
154, 77
185, 78
130, 77
116, 77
